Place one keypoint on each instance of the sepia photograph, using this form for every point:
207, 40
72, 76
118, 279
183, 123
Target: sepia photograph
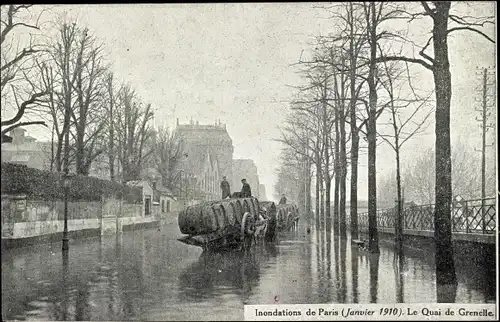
232, 161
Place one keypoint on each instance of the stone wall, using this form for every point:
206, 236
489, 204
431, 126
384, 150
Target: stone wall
23, 219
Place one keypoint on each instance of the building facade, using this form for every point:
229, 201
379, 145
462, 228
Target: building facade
25, 150
207, 155
262, 192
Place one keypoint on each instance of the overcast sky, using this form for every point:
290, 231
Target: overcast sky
232, 62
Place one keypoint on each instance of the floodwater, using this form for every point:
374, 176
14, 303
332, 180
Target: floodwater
149, 275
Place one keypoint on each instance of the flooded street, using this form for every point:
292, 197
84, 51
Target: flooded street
149, 275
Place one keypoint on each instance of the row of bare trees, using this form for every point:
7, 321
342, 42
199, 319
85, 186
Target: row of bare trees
358, 84
94, 119
418, 177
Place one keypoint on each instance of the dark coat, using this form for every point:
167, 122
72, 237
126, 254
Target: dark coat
246, 191
226, 190
282, 201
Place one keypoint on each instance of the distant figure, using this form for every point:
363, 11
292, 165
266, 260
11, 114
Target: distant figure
282, 200
226, 189
308, 230
246, 191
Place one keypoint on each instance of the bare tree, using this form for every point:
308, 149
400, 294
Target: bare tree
444, 23
17, 67
88, 110
404, 127
372, 21
301, 136
110, 101
133, 130
168, 151
61, 73
419, 176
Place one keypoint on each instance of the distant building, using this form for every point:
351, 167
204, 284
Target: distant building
207, 155
245, 169
25, 150
147, 195
262, 192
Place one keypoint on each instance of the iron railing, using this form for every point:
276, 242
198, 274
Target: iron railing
471, 216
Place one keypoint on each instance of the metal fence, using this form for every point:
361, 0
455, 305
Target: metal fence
471, 216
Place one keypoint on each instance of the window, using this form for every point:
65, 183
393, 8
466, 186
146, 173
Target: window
147, 206
168, 205
163, 206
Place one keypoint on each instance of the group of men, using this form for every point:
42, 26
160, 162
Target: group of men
246, 191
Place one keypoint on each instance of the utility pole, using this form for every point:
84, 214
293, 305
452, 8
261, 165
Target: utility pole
485, 126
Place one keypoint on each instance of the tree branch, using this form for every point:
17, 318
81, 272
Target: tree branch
471, 29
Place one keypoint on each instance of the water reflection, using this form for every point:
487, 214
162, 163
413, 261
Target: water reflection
214, 274
354, 273
446, 293
64, 284
148, 275
399, 268
374, 259
343, 268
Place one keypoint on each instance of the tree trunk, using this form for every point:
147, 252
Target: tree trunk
445, 267
111, 143
336, 202
354, 129
308, 191
354, 178
322, 200
399, 209
343, 173
318, 181
372, 136
80, 152
328, 187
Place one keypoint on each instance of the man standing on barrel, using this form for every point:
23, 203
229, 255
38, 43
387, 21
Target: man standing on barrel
226, 190
246, 191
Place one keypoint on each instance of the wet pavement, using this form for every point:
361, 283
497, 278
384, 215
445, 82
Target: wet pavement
149, 275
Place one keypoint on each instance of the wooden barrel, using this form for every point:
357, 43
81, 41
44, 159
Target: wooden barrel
238, 210
229, 212
251, 205
280, 216
246, 206
256, 205
220, 216
209, 220
193, 221
181, 221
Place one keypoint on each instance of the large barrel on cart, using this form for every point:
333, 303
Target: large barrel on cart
223, 223
287, 216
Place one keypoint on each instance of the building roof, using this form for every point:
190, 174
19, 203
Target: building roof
245, 163
198, 141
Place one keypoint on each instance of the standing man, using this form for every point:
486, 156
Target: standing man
246, 191
226, 190
282, 200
